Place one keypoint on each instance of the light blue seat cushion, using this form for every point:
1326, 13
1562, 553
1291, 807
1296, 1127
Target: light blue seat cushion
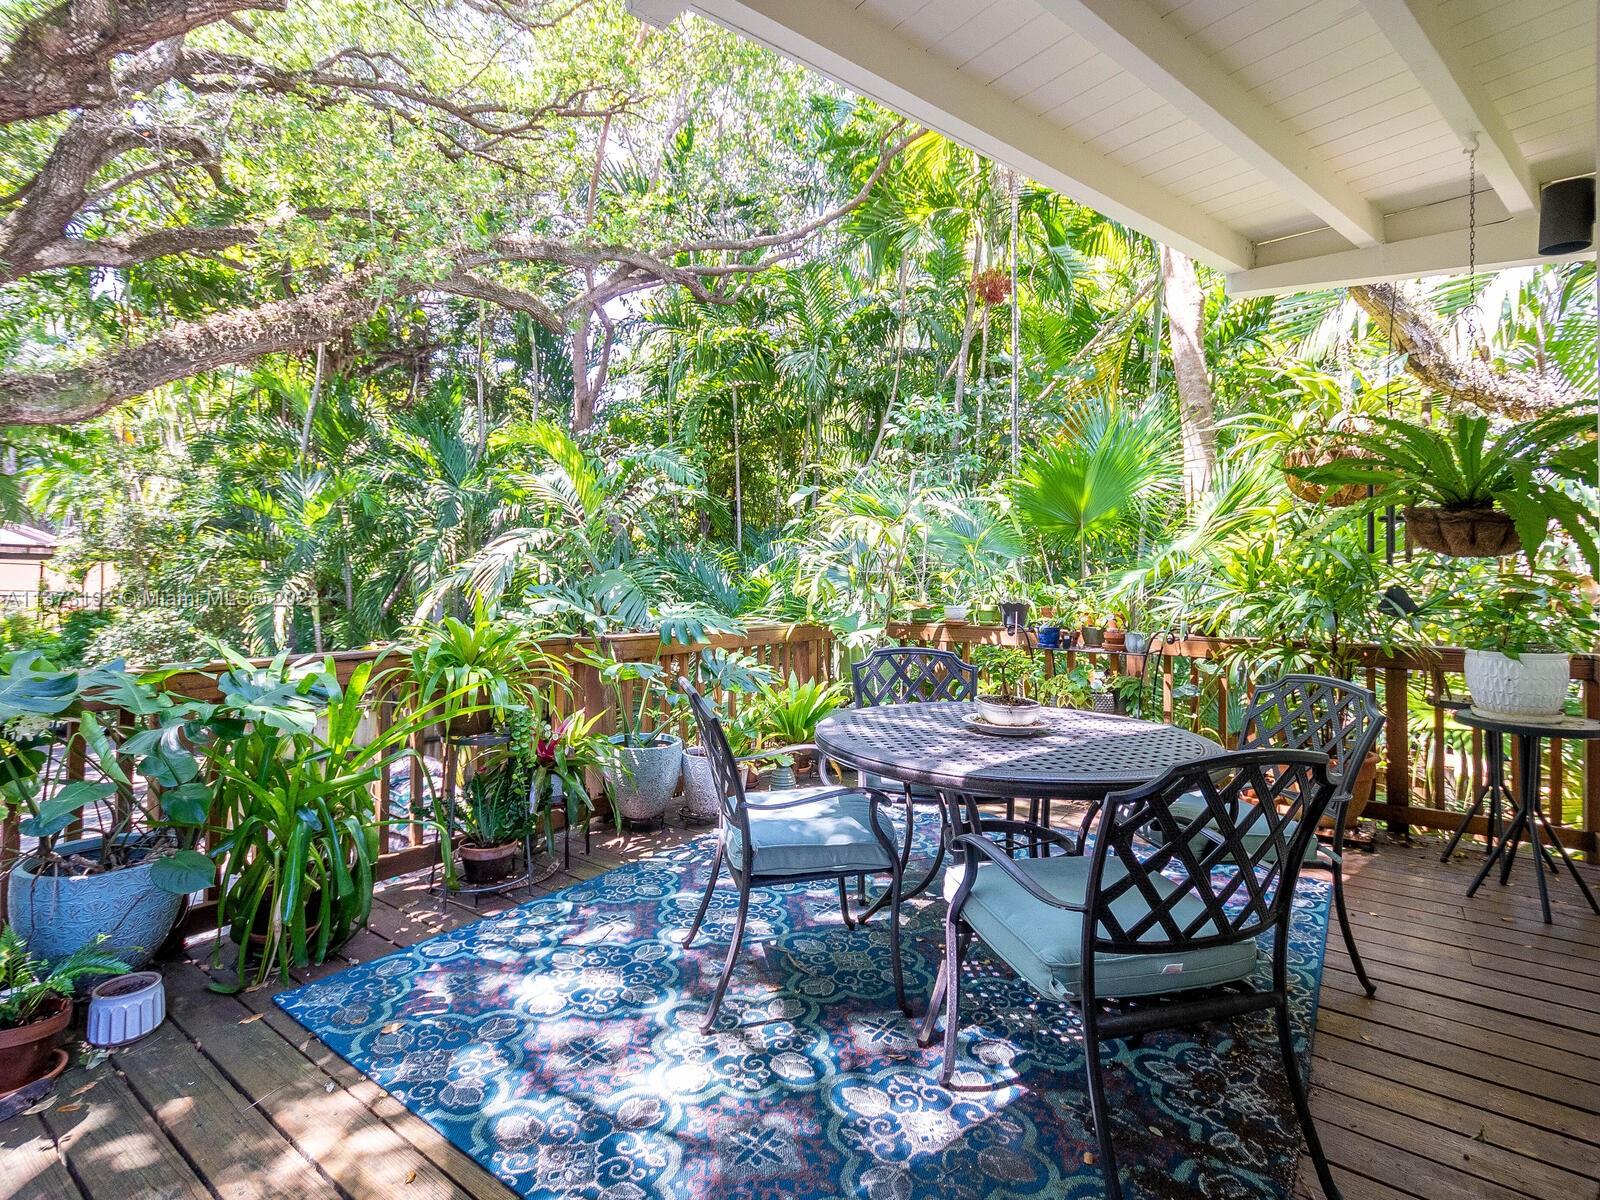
1045, 945
821, 835
1191, 807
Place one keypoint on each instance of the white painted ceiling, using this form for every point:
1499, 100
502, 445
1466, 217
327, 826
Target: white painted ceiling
1290, 143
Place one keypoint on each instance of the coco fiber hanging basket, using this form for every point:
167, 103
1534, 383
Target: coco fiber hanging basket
1462, 533
1333, 445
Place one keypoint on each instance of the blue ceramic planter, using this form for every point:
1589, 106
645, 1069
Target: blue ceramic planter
1049, 637
57, 914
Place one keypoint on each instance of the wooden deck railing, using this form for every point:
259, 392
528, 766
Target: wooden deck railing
1431, 765
808, 651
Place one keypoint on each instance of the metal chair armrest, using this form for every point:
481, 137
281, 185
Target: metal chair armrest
983, 847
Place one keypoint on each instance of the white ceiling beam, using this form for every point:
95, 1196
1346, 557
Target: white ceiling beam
834, 39
1186, 77
1513, 242
1413, 29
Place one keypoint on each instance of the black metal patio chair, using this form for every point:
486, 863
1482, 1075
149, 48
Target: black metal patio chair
1337, 718
909, 675
795, 836
1145, 935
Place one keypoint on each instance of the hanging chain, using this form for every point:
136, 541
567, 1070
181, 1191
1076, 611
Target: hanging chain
1016, 349
1472, 245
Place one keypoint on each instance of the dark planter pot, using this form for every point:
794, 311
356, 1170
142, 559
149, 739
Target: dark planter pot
1014, 616
1468, 533
488, 864
1105, 702
1049, 637
28, 1053
1093, 636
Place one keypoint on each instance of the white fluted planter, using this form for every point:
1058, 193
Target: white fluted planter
1532, 687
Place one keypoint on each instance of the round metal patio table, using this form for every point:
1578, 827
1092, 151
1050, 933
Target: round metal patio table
1084, 757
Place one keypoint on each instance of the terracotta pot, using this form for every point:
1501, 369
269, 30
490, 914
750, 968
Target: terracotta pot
1116, 639
488, 864
1361, 792
1463, 533
28, 1053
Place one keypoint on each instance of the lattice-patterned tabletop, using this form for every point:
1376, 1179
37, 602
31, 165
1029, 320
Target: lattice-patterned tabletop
1084, 756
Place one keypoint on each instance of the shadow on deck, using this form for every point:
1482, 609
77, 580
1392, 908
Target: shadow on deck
1474, 1073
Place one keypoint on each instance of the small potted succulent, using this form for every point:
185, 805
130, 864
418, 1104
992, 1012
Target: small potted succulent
1110, 692
36, 1005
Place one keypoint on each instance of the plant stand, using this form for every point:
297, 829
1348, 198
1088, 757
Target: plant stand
531, 874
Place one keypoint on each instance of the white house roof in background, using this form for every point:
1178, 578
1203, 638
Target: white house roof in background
26, 541
1289, 143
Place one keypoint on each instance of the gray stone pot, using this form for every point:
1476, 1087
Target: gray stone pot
701, 805
56, 914
642, 790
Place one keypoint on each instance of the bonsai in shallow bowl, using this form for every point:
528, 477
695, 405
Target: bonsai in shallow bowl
1007, 705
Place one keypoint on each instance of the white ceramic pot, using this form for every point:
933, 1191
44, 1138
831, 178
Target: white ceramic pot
1532, 686
1026, 713
700, 801
955, 612
643, 787
124, 1009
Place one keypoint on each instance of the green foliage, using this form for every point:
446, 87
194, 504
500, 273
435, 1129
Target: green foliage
1520, 614
788, 713
26, 985
1463, 466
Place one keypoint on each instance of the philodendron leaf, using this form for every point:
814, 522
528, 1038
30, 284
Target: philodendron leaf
187, 804
184, 872
56, 813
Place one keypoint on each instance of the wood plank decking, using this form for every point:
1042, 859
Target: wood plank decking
1474, 1073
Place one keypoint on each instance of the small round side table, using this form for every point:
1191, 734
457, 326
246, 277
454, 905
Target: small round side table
1529, 818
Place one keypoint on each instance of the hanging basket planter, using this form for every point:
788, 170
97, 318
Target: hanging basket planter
1462, 533
1333, 446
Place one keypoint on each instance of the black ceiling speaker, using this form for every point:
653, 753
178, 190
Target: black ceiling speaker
1566, 216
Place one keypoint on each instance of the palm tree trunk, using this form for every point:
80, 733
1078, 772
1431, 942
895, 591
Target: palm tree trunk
1186, 306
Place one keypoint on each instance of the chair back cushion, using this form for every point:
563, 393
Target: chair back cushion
909, 674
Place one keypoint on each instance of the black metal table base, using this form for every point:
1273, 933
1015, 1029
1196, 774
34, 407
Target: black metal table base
1530, 822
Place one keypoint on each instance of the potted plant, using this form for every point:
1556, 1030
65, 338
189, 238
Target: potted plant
732, 674
787, 715
1519, 636
298, 831
644, 774
132, 872
1092, 633
956, 614
36, 1005
497, 811
1115, 635
1466, 493
567, 751
492, 664
1008, 705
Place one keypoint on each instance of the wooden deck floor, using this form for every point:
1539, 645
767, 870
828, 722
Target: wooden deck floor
1475, 1073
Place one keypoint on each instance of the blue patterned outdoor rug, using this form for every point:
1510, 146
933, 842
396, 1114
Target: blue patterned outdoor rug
557, 1045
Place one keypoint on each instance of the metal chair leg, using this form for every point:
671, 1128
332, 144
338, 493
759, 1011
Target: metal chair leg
1302, 1106
1349, 934
733, 954
844, 904
930, 1020
705, 901
952, 1003
894, 945
1099, 1110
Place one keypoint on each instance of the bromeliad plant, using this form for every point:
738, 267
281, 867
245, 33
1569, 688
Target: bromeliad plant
491, 663
299, 832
